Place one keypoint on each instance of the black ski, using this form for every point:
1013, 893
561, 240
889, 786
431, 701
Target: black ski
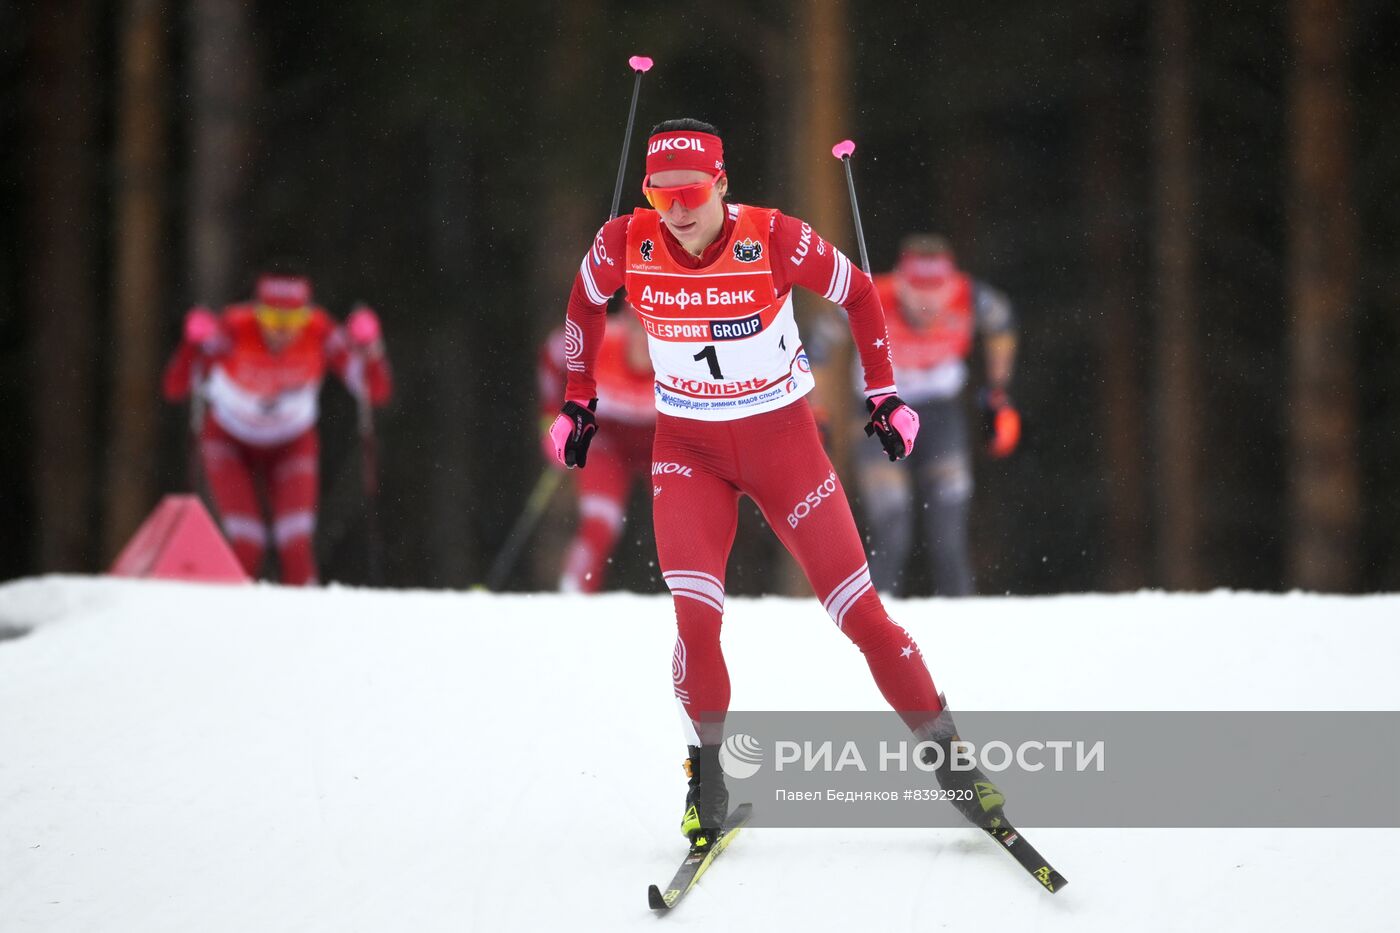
1023, 852
696, 862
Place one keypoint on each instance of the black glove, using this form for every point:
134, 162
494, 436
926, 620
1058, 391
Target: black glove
895, 422
572, 432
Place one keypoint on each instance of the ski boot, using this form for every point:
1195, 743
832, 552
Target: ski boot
707, 800
975, 796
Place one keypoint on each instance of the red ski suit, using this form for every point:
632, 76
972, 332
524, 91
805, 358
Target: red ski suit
731, 376
260, 427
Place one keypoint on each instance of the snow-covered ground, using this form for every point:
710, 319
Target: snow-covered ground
183, 757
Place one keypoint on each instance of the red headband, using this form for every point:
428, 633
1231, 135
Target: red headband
922, 269
685, 149
284, 291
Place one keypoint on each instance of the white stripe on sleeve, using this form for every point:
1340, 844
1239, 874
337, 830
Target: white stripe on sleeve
840, 285
589, 286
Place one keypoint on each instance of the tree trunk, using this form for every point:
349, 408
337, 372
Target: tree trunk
823, 117
138, 299
222, 81
823, 102
1322, 245
1114, 300
1177, 364
61, 287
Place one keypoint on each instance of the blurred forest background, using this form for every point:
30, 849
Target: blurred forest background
1192, 205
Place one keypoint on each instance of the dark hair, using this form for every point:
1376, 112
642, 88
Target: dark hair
926, 244
684, 123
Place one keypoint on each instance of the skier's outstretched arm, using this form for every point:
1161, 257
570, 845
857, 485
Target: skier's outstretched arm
599, 275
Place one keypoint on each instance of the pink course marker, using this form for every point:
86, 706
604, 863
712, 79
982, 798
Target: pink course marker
640, 63
843, 149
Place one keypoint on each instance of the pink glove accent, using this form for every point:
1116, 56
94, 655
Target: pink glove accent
558, 436
363, 326
904, 420
200, 326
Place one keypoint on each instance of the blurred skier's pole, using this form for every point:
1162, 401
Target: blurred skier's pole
194, 472
540, 497
842, 151
369, 476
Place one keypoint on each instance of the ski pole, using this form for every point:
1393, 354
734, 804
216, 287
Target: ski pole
369, 476
842, 151
641, 65
194, 472
369, 458
540, 497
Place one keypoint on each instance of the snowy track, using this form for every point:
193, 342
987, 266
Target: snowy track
178, 758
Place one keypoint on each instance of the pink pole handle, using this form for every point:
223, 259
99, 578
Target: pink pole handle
843, 149
640, 63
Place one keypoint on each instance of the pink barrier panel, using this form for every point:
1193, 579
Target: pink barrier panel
179, 541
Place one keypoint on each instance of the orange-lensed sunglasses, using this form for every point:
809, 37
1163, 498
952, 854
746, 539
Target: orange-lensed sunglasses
692, 197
